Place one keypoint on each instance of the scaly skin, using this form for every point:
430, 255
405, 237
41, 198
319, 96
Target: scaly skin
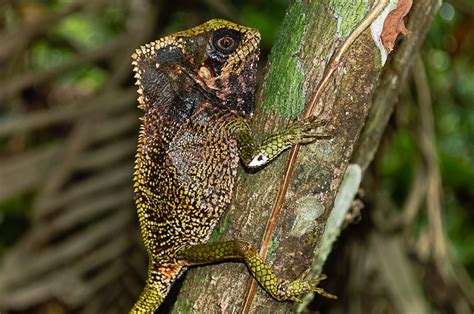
197, 91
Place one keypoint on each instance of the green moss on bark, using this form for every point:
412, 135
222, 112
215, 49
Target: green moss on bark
283, 89
348, 14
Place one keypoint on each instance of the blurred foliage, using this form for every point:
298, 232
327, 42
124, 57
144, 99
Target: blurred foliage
14, 219
448, 55
450, 66
74, 34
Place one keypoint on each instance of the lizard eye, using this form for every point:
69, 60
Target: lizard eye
226, 40
225, 43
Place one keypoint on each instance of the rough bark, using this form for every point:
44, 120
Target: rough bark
308, 36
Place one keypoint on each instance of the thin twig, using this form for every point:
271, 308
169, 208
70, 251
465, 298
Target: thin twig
94, 160
415, 197
57, 177
428, 149
82, 193
106, 102
67, 252
21, 172
333, 64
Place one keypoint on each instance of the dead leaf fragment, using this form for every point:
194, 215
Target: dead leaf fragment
395, 25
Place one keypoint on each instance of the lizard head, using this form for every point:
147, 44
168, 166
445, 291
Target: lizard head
218, 57
228, 48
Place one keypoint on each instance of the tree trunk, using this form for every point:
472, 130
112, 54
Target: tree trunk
312, 216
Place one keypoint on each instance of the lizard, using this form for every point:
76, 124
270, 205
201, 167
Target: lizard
197, 92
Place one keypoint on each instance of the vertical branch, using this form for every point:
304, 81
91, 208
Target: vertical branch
330, 68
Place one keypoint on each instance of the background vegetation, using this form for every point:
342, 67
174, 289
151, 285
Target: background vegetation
68, 236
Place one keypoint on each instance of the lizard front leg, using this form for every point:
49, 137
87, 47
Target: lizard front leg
282, 290
301, 132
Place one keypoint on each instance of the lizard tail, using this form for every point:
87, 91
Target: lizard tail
160, 278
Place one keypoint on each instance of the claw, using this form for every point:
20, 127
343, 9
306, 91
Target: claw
299, 286
308, 130
320, 291
318, 279
324, 293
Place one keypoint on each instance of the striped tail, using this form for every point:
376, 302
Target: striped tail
160, 278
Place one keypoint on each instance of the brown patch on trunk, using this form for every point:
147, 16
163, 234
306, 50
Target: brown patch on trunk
395, 25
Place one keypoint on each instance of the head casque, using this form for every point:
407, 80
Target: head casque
219, 56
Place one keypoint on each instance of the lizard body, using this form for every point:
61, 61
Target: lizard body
197, 88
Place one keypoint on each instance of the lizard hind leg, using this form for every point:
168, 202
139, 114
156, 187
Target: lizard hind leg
282, 290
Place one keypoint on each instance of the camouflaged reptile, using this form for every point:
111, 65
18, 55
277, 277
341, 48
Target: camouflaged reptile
197, 90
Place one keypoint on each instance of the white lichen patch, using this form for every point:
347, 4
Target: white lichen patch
377, 27
307, 211
342, 204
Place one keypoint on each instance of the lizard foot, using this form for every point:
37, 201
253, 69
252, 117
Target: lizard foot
308, 130
288, 290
